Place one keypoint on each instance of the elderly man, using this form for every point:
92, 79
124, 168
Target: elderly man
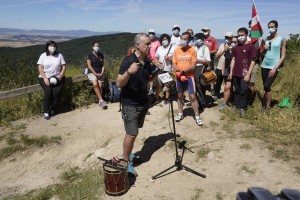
134, 74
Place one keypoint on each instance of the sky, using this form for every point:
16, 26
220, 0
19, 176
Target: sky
141, 15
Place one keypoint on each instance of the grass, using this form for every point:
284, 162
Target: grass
246, 168
74, 184
245, 146
202, 153
219, 196
198, 194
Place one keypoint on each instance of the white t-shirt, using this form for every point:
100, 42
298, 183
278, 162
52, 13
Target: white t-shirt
202, 55
175, 41
222, 58
51, 64
160, 55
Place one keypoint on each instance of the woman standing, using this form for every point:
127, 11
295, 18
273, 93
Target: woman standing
274, 51
95, 63
51, 66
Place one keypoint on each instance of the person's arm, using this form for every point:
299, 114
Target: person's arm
122, 79
247, 76
231, 67
62, 71
42, 73
283, 54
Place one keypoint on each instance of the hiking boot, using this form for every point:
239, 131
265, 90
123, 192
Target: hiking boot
179, 117
130, 169
242, 112
222, 106
47, 116
198, 121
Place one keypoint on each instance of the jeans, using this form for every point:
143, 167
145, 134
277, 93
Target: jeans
241, 100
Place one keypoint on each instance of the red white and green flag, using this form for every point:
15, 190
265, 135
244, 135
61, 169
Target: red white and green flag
256, 29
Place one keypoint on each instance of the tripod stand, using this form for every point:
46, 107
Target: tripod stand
178, 160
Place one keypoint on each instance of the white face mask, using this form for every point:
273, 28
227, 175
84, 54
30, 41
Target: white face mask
165, 43
232, 45
205, 33
272, 30
176, 32
241, 38
51, 49
96, 49
151, 36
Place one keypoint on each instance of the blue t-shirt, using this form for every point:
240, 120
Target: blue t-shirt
134, 93
273, 53
96, 62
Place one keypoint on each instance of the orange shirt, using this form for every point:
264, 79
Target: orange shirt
184, 59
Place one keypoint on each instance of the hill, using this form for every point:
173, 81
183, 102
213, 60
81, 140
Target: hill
75, 50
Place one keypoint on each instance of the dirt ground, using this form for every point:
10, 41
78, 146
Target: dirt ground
229, 167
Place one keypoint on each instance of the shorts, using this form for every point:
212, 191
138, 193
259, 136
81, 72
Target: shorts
186, 85
133, 118
254, 74
92, 77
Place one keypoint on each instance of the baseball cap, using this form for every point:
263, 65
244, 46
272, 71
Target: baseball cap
228, 34
199, 35
151, 31
176, 26
205, 28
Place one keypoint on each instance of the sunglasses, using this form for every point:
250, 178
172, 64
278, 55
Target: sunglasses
151, 33
176, 29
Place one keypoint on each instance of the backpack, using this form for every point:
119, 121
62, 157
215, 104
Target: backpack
114, 92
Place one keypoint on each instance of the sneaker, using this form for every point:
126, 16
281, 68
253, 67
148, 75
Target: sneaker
198, 121
222, 106
102, 104
46, 116
130, 169
52, 113
242, 112
215, 98
179, 117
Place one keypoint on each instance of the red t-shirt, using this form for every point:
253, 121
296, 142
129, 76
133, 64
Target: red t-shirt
211, 43
243, 55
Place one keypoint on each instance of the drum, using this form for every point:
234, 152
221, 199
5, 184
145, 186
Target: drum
207, 78
115, 179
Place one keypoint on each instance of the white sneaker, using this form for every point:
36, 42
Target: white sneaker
102, 104
198, 121
179, 117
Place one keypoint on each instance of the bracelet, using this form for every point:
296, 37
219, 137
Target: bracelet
129, 72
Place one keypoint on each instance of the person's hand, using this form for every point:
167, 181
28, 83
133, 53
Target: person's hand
266, 47
47, 82
134, 68
230, 76
98, 75
226, 46
247, 77
59, 77
272, 72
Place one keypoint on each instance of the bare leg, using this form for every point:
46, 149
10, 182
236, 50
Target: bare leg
128, 146
157, 91
194, 103
227, 90
97, 89
180, 102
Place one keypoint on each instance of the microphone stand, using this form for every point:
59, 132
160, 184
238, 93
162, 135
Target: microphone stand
178, 160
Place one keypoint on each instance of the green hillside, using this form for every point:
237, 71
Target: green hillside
75, 50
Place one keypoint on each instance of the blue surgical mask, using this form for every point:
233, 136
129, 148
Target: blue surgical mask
176, 32
151, 36
199, 42
272, 30
165, 43
183, 43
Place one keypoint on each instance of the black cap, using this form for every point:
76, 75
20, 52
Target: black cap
200, 36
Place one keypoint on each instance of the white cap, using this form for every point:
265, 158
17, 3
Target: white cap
176, 26
228, 34
151, 31
205, 28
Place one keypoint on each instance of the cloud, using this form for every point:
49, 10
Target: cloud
14, 4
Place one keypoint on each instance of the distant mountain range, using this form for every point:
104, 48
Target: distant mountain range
70, 33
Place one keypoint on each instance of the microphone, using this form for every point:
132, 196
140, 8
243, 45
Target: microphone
181, 144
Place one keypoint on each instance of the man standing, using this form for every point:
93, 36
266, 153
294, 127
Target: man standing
242, 63
184, 62
175, 39
212, 45
135, 71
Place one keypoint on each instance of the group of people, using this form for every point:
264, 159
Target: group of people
185, 55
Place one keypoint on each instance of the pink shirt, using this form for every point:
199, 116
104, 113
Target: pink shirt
154, 46
211, 43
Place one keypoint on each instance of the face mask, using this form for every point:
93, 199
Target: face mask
96, 49
165, 43
205, 33
151, 36
176, 32
183, 43
232, 45
272, 30
51, 49
199, 42
241, 38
